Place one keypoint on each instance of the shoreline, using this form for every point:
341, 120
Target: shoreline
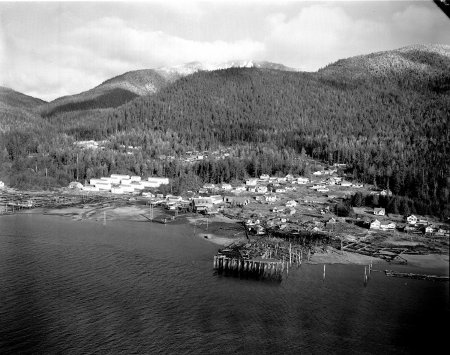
223, 231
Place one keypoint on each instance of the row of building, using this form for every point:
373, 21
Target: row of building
121, 184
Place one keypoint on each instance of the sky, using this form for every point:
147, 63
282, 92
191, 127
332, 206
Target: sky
52, 49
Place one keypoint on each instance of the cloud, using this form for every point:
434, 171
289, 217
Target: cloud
321, 34
87, 55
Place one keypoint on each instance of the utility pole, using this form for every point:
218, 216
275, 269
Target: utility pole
77, 166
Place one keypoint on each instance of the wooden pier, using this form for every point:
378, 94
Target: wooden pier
250, 268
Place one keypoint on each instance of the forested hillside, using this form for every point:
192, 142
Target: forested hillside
386, 115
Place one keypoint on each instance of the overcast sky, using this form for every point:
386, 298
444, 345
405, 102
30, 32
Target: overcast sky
58, 48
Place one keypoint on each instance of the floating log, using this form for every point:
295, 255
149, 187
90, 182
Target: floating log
416, 276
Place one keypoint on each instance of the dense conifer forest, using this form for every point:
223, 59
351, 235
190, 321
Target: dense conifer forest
390, 128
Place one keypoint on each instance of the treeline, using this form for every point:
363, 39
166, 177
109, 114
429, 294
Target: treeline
397, 204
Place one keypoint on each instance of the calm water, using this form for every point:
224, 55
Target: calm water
134, 287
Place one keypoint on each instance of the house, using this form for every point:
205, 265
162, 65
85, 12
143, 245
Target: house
264, 177
135, 178
291, 211
411, 219
346, 184
317, 173
280, 190
428, 229
315, 187
216, 199
72, 185
251, 189
202, 204
260, 230
277, 209
209, 186
289, 177
119, 176
387, 225
236, 201
251, 182
2, 184
271, 198
291, 203
323, 189
357, 186
410, 228
261, 189
226, 187
281, 179
252, 222
386, 193
375, 224
379, 211
158, 181
302, 180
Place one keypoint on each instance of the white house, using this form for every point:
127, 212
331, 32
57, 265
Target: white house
375, 224
251, 182
159, 180
251, 189
302, 180
120, 176
135, 178
387, 225
386, 193
346, 183
216, 199
379, 211
226, 187
2, 184
271, 198
291, 203
72, 185
411, 219
261, 189
428, 229
264, 177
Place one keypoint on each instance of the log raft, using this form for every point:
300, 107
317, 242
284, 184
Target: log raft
416, 276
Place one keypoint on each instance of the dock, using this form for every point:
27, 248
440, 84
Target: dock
250, 268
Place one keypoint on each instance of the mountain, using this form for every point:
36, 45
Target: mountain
123, 88
411, 63
18, 110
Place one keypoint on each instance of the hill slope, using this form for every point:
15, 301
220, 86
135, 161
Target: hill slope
18, 110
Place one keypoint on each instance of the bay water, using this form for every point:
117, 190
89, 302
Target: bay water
82, 287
